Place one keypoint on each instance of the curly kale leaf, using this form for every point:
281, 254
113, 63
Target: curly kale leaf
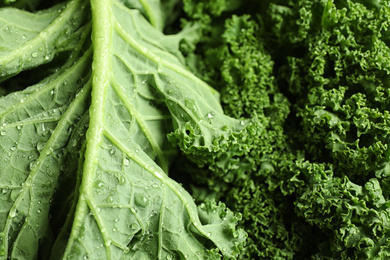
319, 103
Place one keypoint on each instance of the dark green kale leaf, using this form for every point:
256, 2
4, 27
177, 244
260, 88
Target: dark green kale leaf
313, 77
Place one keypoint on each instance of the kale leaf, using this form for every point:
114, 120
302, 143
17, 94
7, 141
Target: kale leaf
91, 92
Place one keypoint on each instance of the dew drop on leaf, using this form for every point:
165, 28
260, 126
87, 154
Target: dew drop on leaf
126, 162
32, 165
141, 200
110, 199
12, 213
210, 115
134, 226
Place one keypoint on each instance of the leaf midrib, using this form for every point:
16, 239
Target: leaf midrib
101, 69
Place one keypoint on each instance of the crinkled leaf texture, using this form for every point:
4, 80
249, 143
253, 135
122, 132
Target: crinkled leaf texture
84, 154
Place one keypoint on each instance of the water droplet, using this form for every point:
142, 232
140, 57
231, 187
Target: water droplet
189, 103
38, 211
143, 82
116, 220
126, 162
134, 226
121, 179
12, 213
13, 148
40, 145
2, 132
209, 234
34, 54
210, 115
153, 213
32, 165
141, 200
112, 151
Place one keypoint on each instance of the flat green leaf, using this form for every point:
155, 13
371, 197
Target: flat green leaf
34, 131
84, 171
127, 203
30, 39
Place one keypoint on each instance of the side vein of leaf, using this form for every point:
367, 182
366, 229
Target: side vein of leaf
160, 225
31, 122
139, 119
149, 12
